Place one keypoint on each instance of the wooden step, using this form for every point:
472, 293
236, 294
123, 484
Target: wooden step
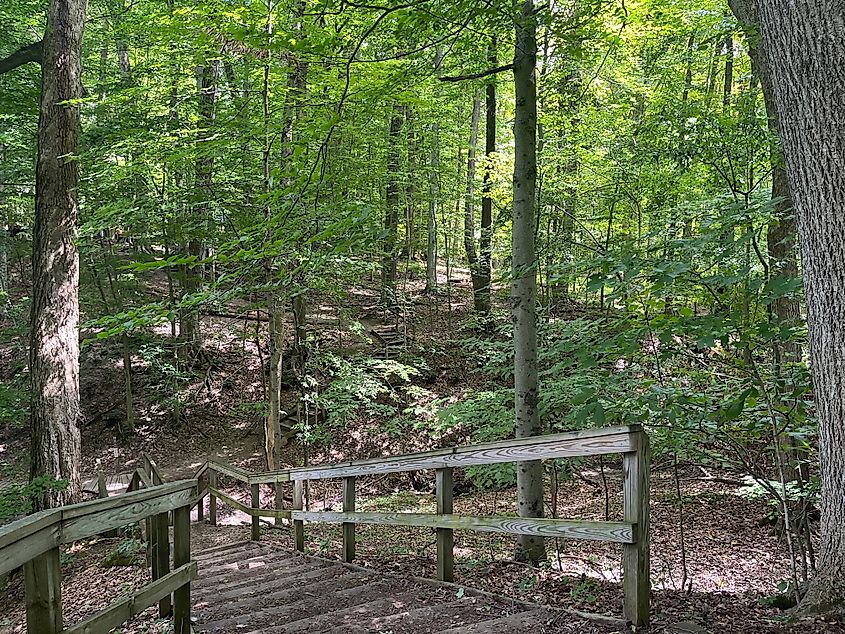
431, 619
519, 623
277, 595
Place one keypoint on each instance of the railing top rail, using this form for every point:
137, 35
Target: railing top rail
31, 536
590, 442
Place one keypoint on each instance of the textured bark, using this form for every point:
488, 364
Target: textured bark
469, 199
433, 206
54, 350
189, 321
485, 242
805, 46
391, 216
4, 240
727, 89
529, 476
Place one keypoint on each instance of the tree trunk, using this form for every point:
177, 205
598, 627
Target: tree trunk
433, 205
469, 199
391, 216
189, 330
805, 46
728, 87
4, 239
54, 351
485, 243
529, 475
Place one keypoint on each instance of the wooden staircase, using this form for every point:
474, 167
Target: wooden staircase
258, 588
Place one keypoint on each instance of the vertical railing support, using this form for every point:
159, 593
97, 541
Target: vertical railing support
161, 557
182, 556
445, 537
255, 502
298, 526
201, 502
349, 527
278, 493
43, 579
212, 499
636, 583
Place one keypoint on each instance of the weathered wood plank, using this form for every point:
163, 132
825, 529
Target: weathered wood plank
255, 503
121, 510
162, 558
618, 532
43, 579
636, 566
28, 537
181, 557
282, 513
11, 533
121, 611
445, 536
348, 527
570, 444
229, 470
212, 497
298, 525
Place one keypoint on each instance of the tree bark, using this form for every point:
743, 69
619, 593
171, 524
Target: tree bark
529, 476
54, 349
469, 199
485, 242
391, 216
805, 45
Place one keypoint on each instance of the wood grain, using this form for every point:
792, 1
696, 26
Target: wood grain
124, 509
636, 565
229, 470
570, 444
43, 579
445, 538
348, 528
121, 611
618, 532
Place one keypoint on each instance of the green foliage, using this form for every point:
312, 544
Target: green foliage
127, 552
16, 500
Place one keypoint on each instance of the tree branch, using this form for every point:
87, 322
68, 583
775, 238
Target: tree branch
484, 73
31, 53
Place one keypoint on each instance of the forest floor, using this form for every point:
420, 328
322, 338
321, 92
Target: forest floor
716, 561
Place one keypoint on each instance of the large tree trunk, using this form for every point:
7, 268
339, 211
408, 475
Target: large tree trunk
54, 351
529, 476
805, 45
189, 321
391, 216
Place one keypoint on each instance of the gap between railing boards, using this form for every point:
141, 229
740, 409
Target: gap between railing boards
633, 532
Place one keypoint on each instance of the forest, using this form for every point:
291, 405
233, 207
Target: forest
280, 235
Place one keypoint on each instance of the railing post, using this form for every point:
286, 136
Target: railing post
298, 526
200, 503
212, 499
349, 527
182, 556
161, 557
43, 579
636, 582
445, 537
279, 493
255, 502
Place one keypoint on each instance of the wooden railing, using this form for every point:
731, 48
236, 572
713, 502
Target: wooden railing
633, 532
34, 542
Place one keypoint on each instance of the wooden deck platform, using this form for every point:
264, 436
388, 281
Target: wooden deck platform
259, 588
